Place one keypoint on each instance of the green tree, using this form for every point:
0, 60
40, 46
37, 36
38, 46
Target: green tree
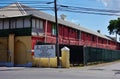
114, 26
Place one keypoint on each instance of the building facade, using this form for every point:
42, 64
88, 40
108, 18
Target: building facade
22, 27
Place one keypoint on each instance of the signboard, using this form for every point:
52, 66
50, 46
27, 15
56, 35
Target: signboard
44, 51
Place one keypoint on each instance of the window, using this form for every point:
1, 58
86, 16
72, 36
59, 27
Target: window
78, 34
119, 38
108, 42
1, 24
41, 24
53, 29
37, 23
68, 29
72, 31
19, 23
33, 23
6, 24
26, 22
12, 23
87, 34
102, 41
93, 38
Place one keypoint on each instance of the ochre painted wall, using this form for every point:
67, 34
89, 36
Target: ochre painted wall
3, 49
11, 47
45, 62
52, 62
23, 50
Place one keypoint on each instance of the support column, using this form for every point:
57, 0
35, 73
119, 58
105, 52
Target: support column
65, 57
11, 49
46, 23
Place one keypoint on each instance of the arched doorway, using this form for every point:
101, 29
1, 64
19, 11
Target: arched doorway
20, 56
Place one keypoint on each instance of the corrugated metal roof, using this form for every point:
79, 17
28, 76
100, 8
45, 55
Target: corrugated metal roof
12, 10
18, 9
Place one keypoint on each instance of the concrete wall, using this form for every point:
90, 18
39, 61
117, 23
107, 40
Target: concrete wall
3, 50
45, 62
52, 62
23, 50
15, 50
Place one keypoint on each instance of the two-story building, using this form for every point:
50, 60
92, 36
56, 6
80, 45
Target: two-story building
22, 27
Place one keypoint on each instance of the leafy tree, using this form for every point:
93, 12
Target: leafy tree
114, 26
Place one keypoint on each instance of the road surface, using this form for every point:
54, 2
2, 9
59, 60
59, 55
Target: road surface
109, 71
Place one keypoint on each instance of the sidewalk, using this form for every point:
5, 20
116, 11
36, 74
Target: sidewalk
106, 66
11, 68
112, 66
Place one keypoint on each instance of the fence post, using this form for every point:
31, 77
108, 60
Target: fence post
84, 56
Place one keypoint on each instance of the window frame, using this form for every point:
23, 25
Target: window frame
53, 29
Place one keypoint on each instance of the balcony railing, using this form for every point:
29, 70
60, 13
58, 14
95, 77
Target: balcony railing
77, 42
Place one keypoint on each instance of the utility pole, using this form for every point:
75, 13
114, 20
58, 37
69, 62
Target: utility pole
57, 35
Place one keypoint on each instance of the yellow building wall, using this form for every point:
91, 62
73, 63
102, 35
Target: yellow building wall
3, 49
52, 62
65, 59
22, 53
23, 50
11, 48
45, 62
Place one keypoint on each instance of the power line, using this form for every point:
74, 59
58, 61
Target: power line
89, 9
109, 14
45, 6
39, 5
28, 2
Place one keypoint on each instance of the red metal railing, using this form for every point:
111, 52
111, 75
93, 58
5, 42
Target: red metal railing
69, 41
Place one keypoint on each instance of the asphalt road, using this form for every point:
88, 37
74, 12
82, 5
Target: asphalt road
109, 71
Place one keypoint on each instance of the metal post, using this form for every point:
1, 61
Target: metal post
84, 55
46, 31
116, 40
57, 33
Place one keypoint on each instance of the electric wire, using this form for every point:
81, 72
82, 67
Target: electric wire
48, 6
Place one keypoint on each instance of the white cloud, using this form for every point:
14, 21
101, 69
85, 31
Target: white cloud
105, 2
112, 4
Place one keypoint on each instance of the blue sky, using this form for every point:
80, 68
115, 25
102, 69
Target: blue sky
90, 21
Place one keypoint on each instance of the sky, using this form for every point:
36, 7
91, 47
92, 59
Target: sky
90, 21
